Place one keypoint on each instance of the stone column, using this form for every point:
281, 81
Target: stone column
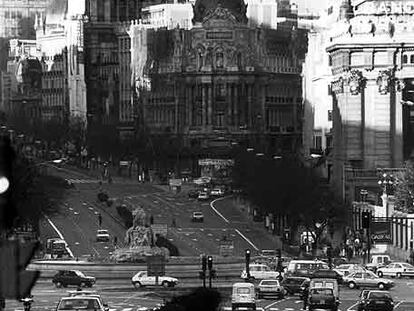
229, 118
204, 103
236, 106
368, 116
190, 103
397, 138
249, 111
209, 104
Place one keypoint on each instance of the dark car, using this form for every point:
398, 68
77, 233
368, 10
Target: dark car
327, 274
322, 298
193, 194
376, 300
72, 277
292, 284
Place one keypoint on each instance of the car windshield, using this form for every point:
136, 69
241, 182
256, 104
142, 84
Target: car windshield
270, 282
321, 291
370, 274
243, 290
102, 231
79, 304
407, 266
78, 273
343, 267
379, 295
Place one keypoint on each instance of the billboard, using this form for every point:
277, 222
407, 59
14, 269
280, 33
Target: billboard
381, 232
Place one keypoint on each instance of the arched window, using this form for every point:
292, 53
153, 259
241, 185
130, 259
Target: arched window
412, 59
405, 59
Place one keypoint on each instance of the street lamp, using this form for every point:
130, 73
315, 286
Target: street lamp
387, 182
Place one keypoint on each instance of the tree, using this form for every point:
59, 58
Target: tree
287, 187
404, 189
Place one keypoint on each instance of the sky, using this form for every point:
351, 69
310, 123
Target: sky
312, 5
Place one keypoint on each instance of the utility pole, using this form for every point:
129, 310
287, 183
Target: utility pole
247, 257
203, 269
211, 272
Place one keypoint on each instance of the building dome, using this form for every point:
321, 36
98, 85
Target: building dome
236, 7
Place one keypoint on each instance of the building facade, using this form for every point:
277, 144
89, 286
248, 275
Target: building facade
219, 83
12, 11
372, 66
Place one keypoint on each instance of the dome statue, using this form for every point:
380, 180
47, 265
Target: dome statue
236, 7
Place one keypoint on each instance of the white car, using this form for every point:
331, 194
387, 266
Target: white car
346, 269
81, 303
396, 269
270, 287
142, 279
217, 192
260, 272
203, 195
197, 217
102, 235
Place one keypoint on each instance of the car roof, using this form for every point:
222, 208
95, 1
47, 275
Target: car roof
269, 280
80, 296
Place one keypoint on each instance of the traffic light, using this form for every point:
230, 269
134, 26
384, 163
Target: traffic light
15, 281
210, 262
366, 219
279, 253
247, 255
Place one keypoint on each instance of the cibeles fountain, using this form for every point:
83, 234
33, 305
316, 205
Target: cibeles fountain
139, 241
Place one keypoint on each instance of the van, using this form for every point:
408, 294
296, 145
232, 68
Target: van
377, 261
305, 268
323, 294
243, 296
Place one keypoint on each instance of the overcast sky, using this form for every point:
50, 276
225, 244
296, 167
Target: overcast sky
311, 5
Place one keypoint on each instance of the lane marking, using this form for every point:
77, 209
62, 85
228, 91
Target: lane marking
246, 239
396, 306
216, 211
60, 235
351, 307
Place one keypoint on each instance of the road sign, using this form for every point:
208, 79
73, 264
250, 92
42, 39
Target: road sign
155, 265
381, 232
226, 248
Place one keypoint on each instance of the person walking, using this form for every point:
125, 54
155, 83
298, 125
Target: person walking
305, 295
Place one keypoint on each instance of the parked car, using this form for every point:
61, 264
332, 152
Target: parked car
347, 269
243, 296
328, 274
203, 196
143, 279
396, 269
367, 279
193, 194
197, 217
322, 298
102, 235
72, 277
271, 288
378, 261
375, 300
81, 303
292, 284
260, 272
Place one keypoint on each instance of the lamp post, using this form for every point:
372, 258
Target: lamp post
386, 181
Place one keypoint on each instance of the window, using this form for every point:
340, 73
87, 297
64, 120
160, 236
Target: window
329, 115
412, 59
405, 59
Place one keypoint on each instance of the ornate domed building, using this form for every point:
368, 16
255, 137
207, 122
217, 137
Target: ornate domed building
218, 85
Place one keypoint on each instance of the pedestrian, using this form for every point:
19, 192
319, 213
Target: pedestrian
100, 219
173, 224
115, 240
151, 220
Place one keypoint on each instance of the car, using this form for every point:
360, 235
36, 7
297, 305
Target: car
203, 196
217, 192
243, 296
270, 287
292, 284
361, 299
143, 279
305, 268
396, 269
328, 274
378, 261
197, 217
81, 303
367, 279
72, 277
193, 194
90, 293
260, 272
102, 235
347, 269
375, 300
322, 298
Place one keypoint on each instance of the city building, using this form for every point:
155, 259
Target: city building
12, 11
371, 56
263, 13
169, 15
220, 83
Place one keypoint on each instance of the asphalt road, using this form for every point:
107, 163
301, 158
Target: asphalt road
121, 296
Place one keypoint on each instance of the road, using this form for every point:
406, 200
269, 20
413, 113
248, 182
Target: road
78, 220
121, 296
